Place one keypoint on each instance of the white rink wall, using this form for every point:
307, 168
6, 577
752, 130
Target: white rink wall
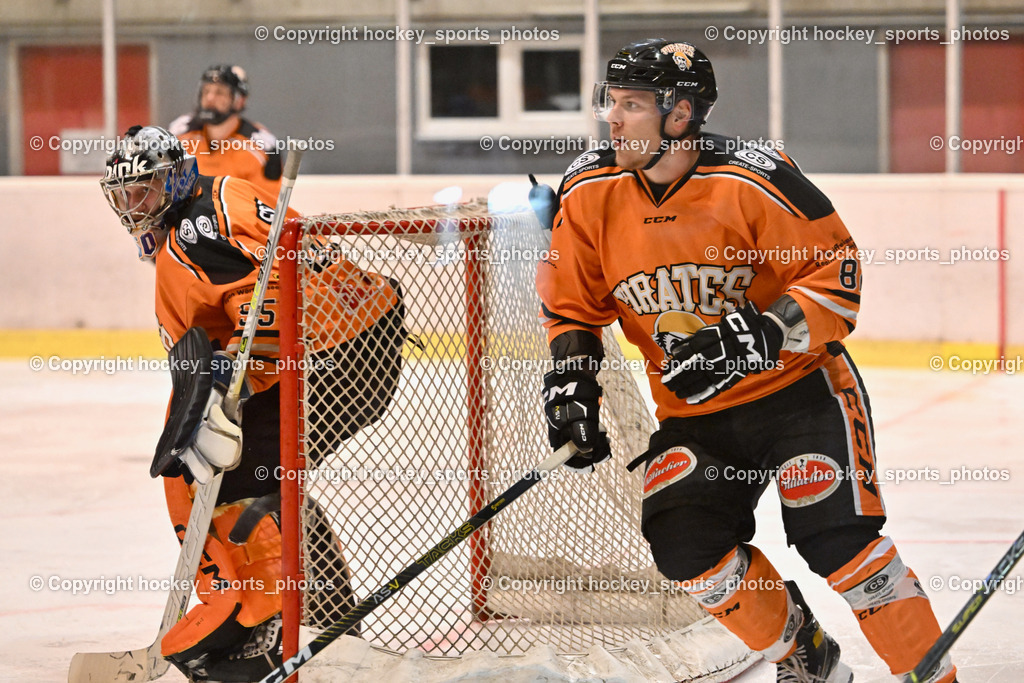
65, 263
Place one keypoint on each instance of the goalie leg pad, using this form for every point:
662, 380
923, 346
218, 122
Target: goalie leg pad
256, 562
892, 609
238, 584
210, 625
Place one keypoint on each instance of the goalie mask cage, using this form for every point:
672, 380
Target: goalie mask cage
564, 567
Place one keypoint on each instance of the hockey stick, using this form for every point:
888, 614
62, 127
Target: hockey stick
147, 664
291, 170
464, 531
967, 613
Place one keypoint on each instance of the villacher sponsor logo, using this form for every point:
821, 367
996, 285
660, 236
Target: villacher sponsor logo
668, 468
807, 479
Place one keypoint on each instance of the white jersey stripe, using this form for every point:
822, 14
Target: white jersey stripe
223, 207
581, 183
733, 176
827, 303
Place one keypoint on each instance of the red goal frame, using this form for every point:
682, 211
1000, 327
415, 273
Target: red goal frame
292, 456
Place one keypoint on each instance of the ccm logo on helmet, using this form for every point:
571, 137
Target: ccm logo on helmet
614, 65
127, 168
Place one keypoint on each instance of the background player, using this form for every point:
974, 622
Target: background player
223, 142
650, 233
207, 235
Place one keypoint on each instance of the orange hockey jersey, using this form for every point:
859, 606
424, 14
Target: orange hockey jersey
741, 226
250, 153
207, 269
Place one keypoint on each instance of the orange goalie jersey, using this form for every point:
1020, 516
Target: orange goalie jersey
740, 226
207, 269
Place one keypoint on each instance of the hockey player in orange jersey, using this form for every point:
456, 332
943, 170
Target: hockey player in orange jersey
737, 280
207, 236
221, 139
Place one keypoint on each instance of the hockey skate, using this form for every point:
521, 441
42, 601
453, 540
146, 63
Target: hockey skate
816, 658
250, 661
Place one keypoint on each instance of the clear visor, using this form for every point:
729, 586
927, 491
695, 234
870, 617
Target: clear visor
138, 202
606, 95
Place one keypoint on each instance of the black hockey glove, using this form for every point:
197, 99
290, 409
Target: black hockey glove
714, 358
571, 402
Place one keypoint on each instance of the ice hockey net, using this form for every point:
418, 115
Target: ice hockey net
564, 567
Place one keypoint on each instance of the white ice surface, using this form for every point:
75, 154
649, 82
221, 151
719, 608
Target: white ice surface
76, 502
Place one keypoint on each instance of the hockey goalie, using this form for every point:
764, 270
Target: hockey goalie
206, 236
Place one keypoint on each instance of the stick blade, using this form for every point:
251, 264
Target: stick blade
144, 664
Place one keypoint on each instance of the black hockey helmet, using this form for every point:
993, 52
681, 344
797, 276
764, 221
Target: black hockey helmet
672, 70
233, 77
230, 75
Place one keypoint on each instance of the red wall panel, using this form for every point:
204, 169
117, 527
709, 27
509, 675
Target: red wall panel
992, 108
917, 110
62, 87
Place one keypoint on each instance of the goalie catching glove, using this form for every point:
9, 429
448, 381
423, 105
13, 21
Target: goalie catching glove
714, 358
198, 437
572, 399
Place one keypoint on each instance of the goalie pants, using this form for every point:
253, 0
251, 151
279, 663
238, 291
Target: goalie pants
351, 389
813, 439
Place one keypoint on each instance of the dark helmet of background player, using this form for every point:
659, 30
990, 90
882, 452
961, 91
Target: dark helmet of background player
671, 69
232, 76
148, 176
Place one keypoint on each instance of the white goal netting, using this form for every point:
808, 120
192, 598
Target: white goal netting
455, 421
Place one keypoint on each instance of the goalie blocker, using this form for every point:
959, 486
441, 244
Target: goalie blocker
198, 437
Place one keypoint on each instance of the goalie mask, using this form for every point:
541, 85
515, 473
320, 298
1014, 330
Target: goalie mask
671, 70
148, 175
235, 78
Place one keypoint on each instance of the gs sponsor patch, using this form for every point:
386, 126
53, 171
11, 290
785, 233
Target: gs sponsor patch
808, 478
186, 232
876, 584
668, 468
581, 161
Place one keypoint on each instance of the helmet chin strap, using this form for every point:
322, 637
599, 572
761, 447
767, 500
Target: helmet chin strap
214, 117
665, 138
663, 147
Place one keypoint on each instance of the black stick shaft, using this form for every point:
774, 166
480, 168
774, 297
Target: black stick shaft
992, 583
407, 575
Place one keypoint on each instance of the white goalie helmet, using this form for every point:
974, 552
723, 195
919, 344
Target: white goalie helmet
147, 175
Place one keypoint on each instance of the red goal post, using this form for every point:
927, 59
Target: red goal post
565, 567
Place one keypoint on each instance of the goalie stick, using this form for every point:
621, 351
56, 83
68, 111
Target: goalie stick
967, 613
147, 663
464, 531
